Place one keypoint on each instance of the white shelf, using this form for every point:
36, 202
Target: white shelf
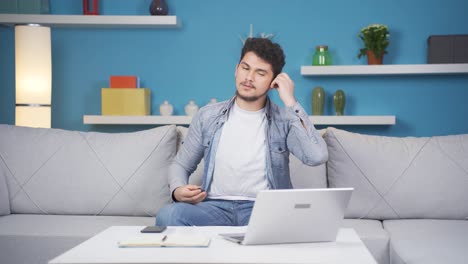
185, 120
136, 120
391, 69
92, 21
353, 120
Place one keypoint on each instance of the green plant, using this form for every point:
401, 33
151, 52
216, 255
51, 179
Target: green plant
375, 38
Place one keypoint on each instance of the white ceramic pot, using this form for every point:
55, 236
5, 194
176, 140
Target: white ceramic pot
191, 108
212, 101
166, 109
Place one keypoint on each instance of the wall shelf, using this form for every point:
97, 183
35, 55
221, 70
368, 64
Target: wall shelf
136, 120
185, 120
92, 21
353, 120
391, 69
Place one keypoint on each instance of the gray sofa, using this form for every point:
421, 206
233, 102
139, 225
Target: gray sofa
58, 188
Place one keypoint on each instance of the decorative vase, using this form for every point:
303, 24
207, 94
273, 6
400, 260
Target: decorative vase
159, 8
321, 56
372, 59
318, 100
86, 7
166, 109
191, 108
339, 99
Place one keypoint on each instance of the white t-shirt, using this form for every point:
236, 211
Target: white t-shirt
240, 165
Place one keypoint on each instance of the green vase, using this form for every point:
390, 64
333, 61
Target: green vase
339, 99
321, 56
318, 100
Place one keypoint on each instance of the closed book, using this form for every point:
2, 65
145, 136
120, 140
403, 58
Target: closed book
170, 240
124, 81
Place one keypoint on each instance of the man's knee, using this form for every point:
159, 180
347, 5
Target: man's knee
172, 215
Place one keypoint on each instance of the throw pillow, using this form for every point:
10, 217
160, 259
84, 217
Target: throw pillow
56, 171
406, 177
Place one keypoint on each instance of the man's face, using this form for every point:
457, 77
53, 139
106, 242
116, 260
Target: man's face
253, 78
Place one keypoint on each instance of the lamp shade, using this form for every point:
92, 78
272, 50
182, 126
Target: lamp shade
33, 75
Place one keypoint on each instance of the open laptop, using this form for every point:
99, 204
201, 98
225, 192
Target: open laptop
295, 216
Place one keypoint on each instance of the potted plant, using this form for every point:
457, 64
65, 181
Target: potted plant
375, 38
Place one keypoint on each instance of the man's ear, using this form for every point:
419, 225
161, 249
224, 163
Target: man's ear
271, 84
235, 71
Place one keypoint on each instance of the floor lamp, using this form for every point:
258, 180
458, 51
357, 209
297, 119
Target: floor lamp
33, 76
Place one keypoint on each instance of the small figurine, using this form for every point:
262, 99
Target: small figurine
191, 108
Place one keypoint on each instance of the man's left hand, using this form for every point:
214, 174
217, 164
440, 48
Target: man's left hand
285, 87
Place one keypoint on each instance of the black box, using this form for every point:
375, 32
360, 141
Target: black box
447, 49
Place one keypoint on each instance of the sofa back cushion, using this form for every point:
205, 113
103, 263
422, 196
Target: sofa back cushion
4, 199
53, 171
302, 176
395, 178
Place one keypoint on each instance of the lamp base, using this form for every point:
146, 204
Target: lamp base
33, 116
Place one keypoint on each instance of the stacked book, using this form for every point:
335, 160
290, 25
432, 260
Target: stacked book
124, 97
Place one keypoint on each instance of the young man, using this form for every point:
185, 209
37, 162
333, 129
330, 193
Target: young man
245, 143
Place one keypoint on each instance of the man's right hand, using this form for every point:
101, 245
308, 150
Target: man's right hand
189, 194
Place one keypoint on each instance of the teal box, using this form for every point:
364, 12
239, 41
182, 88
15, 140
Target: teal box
24, 6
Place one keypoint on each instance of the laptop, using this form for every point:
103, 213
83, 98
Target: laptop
295, 216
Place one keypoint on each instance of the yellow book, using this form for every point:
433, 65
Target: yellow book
126, 101
170, 240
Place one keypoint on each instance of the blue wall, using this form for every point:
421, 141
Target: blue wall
197, 61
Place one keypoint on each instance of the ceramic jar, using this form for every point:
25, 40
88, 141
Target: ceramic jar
191, 108
321, 56
166, 109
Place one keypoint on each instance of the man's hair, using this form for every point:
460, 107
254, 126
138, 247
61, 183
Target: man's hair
268, 51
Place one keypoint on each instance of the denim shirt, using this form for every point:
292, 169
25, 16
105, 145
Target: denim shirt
285, 133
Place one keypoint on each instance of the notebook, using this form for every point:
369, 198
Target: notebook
295, 216
162, 240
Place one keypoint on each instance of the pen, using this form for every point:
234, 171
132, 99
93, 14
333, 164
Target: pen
164, 238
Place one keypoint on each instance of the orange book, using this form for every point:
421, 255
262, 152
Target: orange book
124, 81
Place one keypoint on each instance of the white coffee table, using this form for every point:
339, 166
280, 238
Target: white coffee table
103, 248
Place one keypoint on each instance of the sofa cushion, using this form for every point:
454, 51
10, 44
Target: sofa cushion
44, 237
77, 226
4, 199
53, 171
373, 236
400, 177
34, 250
427, 241
302, 176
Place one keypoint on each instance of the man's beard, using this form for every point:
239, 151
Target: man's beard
253, 98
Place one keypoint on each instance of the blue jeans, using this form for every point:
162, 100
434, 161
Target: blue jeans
206, 213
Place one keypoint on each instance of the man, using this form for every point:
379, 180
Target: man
245, 143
